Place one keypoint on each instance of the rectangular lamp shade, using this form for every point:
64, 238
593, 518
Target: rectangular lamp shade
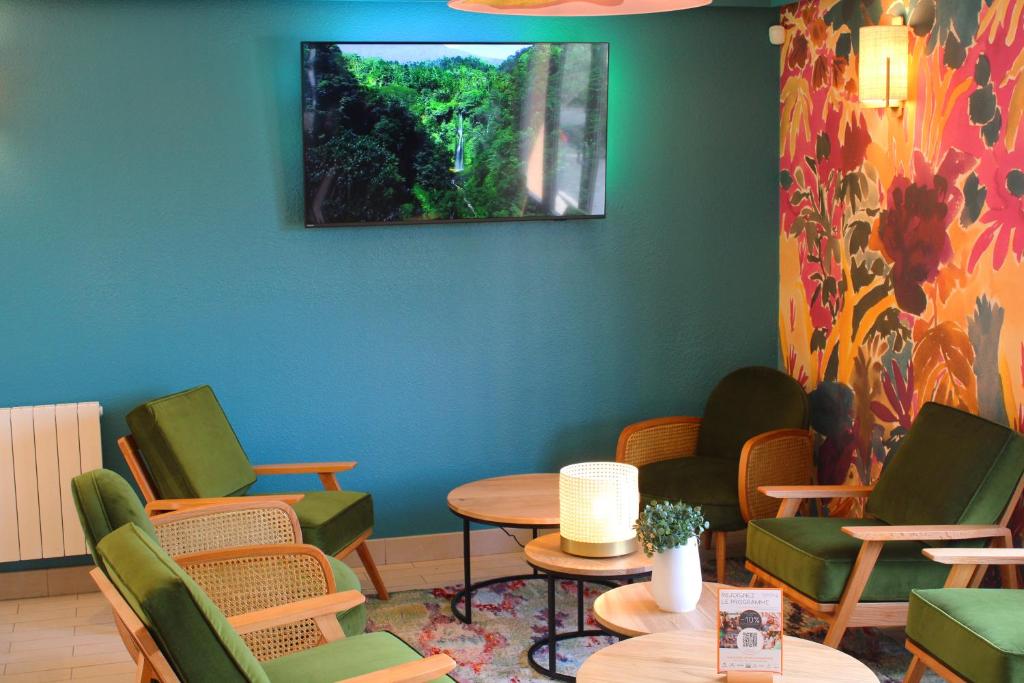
598, 504
883, 65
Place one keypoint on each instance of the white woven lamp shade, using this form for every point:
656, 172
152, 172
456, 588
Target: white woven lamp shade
598, 503
883, 66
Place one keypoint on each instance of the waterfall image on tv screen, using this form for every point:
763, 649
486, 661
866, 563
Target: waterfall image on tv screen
436, 132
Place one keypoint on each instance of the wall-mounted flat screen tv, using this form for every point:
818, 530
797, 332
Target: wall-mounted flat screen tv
443, 132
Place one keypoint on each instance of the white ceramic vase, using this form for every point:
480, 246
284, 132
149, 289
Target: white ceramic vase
676, 580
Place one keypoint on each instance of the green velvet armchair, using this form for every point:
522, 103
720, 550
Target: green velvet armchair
754, 432
105, 502
955, 479
183, 452
180, 634
963, 633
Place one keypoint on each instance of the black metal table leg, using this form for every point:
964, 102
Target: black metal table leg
465, 614
552, 640
579, 606
467, 584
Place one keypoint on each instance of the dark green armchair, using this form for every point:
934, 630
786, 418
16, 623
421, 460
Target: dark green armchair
955, 479
179, 634
963, 633
183, 452
754, 432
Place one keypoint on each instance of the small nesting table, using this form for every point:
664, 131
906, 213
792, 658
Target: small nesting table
692, 657
518, 501
631, 611
545, 554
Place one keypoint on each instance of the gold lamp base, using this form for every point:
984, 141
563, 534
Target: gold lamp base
610, 549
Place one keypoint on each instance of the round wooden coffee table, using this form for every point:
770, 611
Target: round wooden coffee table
518, 501
631, 611
545, 554
691, 656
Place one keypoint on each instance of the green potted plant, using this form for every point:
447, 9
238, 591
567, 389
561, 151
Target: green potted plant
668, 532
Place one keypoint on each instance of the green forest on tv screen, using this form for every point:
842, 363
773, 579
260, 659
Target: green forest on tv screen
408, 132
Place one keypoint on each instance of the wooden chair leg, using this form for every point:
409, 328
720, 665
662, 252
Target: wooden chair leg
753, 581
859, 575
720, 539
371, 570
1008, 575
915, 671
144, 673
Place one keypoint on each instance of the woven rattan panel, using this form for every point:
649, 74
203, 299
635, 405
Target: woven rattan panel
229, 529
782, 461
241, 585
661, 442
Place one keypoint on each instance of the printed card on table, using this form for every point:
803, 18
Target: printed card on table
750, 629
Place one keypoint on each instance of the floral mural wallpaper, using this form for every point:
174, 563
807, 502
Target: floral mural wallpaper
902, 231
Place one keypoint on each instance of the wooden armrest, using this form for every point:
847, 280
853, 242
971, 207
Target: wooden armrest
305, 467
816, 491
166, 504
926, 532
420, 671
975, 556
322, 605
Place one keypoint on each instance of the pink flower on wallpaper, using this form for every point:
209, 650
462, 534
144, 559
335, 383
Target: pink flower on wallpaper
1004, 203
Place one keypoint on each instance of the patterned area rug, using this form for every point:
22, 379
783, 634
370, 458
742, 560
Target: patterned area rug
508, 617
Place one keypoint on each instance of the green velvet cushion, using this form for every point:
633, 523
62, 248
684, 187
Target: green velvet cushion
331, 520
353, 622
814, 556
191, 632
748, 402
342, 659
105, 502
951, 468
975, 632
708, 482
189, 447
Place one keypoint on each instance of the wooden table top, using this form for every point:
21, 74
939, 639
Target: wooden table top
691, 656
546, 554
631, 611
523, 499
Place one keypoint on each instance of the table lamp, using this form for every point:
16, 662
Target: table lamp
598, 504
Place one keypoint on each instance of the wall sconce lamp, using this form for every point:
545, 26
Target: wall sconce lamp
883, 65
598, 502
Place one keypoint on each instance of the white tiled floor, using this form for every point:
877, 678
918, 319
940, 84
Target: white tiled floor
72, 637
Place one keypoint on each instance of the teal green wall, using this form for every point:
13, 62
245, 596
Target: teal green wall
150, 209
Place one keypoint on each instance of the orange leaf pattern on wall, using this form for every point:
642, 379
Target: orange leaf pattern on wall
943, 362
902, 232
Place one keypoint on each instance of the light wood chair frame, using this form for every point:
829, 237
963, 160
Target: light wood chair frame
850, 612
152, 665
325, 471
965, 564
758, 455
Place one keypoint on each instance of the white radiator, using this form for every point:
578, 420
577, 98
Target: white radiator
41, 449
